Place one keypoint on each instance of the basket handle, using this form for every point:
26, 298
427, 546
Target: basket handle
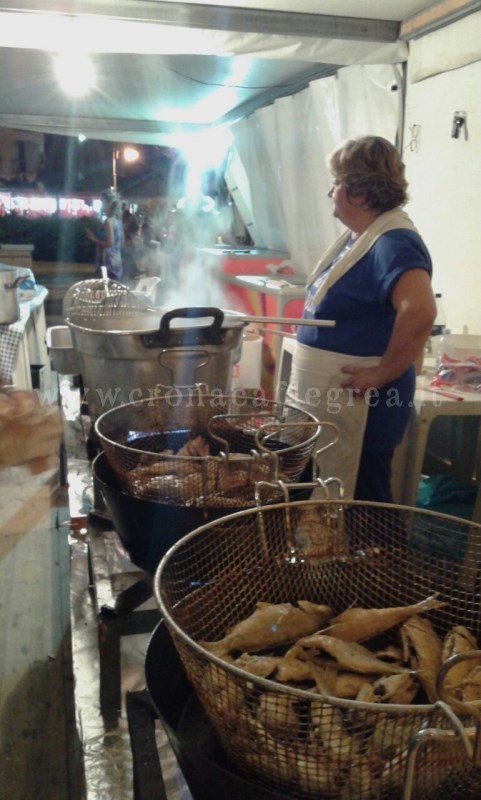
447, 704
467, 709
335, 437
426, 735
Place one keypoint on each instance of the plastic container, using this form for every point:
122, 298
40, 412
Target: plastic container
439, 325
458, 361
462, 346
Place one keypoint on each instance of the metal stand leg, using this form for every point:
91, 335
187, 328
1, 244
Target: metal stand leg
117, 616
148, 780
109, 656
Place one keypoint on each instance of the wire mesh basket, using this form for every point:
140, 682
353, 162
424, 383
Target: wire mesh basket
100, 298
253, 600
207, 450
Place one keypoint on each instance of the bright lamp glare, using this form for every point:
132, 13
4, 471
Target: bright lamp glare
130, 155
75, 73
202, 151
206, 148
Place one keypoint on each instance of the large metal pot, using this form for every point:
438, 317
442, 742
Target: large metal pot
132, 356
9, 302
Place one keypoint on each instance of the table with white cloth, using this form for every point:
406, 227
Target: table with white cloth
409, 456
22, 344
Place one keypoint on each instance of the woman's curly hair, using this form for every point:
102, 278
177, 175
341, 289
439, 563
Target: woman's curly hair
372, 166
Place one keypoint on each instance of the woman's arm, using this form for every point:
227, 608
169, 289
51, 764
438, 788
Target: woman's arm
413, 300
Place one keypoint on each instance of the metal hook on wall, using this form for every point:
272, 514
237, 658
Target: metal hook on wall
413, 144
459, 122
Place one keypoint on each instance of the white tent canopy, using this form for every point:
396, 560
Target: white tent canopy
169, 67
165, 68
288, 81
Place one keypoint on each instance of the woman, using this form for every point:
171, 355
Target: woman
109, 241
375, 283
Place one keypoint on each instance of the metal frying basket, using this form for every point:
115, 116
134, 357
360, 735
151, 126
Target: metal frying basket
100, 297
206, 450
292, 735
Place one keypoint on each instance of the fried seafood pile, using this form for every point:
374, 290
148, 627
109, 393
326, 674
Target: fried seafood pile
190, 477
327, 748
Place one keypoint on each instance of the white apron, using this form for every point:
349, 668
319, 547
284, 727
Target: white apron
315, 386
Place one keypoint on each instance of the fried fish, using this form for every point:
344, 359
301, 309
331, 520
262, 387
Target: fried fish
350, 655
458, 640
423, 650
359, 624
272, 625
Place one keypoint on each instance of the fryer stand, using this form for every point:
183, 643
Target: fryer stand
117, 615
147, 771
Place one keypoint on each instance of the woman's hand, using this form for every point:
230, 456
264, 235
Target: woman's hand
361, 379
91, 235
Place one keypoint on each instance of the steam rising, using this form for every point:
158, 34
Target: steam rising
190, 276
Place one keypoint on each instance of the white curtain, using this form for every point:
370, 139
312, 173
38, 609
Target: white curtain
252, 174
283, 149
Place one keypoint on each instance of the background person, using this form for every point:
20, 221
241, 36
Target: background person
132, 245
109, 238
375, 282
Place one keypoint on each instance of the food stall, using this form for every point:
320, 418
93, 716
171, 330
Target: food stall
112, 608
118, 517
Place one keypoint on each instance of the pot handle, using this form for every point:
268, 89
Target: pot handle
212, 331
15, 283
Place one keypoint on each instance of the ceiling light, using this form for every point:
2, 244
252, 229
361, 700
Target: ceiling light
75, 73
